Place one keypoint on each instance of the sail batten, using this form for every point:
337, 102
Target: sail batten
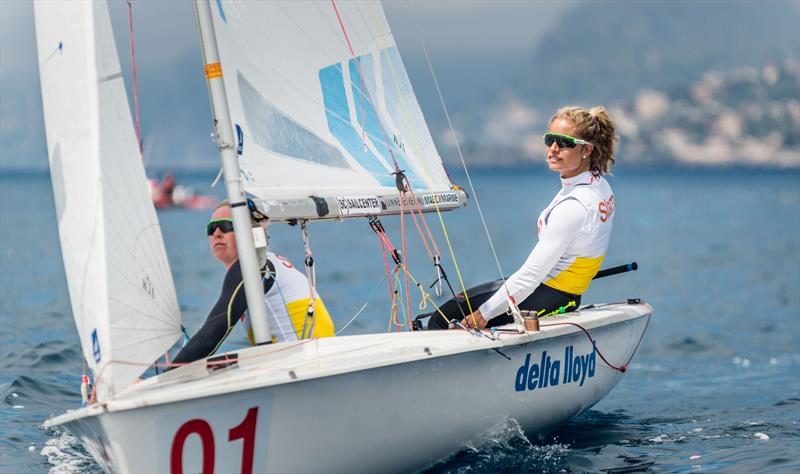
321, 102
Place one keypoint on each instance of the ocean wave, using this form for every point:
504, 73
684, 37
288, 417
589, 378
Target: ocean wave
66, 454
505, 448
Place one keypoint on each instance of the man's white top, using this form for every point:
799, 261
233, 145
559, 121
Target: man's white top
291, 286
574, 232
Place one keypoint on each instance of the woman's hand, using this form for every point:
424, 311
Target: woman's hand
474, 320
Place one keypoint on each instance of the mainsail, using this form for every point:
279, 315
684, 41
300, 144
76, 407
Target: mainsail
324, 111
120, 284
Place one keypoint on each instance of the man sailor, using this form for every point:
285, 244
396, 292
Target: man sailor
286, 290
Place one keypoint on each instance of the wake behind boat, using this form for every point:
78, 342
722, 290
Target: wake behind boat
316, 122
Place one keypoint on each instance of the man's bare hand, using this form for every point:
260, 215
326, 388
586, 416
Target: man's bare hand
474, 320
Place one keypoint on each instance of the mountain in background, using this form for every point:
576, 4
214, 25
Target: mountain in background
728, 68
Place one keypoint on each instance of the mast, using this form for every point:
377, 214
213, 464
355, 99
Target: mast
241, 215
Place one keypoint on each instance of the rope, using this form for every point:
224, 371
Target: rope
364, 88
363, 307
419, 229
391, 153
622, 368
405, 267
311, 276
386, 265
417, 147
398, 288
463, 163
226, 361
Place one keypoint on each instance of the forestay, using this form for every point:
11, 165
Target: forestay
322, 107
120, 285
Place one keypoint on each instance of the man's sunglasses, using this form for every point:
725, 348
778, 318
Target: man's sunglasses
224, 224
563, 141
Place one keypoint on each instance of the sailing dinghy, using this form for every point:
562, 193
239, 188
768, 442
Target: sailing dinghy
315, 119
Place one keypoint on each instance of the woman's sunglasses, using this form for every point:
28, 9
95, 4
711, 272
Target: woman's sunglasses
224, 224
563, 141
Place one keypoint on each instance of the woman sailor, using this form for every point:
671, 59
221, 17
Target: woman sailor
574, 229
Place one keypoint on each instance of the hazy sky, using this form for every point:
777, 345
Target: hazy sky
470, 43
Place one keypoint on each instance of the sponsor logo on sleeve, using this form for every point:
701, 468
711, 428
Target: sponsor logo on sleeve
606, 208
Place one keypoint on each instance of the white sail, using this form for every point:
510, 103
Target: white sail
322, 104
120, 285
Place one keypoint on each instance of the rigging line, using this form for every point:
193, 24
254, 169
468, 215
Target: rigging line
387, 247
460, 155
436, 205
135, 84
381, 233
330, 25
312, 280
143, 341
425, 221
397, 295
126, 328
369, 96
419, 229
622, 368
427, 297
363, 307
356, 62
419, 150
203, 361
292, 85
386, 265
169, 322
452, 256
405, 265
416, 145
324, 53
396, 308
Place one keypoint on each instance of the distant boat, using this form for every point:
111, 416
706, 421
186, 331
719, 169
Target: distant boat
311, 94
167, 194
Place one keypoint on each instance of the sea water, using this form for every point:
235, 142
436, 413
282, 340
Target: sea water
715, 385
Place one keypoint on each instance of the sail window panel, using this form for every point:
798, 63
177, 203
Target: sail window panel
276, 132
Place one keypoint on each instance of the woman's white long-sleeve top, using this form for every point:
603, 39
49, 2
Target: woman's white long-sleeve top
574, 232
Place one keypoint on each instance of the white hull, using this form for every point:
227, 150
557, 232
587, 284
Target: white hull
373, 403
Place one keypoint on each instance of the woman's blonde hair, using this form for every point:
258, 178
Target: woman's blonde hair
596, 127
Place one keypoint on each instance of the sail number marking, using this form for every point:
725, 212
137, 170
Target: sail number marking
246, 431
148, 287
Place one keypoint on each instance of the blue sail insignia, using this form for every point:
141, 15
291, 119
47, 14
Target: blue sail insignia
95, 347
340, 123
